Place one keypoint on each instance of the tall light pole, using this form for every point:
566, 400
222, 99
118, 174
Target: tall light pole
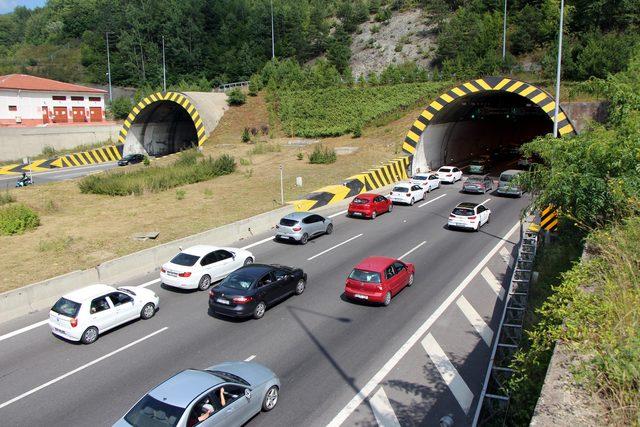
557, 109
273, 43
504, 33
109, 69
164, 69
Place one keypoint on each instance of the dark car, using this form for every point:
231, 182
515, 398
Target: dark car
248, 291
131, 159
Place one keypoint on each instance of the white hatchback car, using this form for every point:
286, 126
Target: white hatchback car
84, 314
449, 174
429, 181
469, 216
199, 266
405, 192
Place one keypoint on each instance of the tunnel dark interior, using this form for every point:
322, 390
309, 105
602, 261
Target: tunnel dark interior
161, 128
482, 123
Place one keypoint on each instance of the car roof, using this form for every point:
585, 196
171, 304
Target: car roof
422, 174
298, 215
367, 195
255, 271
183, 387
200, 250
403, 184
375, 263
89, 292
445, 166
511, 172
473, 177
469, 205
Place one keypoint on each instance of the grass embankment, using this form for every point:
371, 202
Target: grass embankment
594, 309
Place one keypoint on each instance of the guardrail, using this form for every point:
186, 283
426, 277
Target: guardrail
228, 86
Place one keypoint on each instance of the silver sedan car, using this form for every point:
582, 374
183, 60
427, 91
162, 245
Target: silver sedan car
301, 226
229, 394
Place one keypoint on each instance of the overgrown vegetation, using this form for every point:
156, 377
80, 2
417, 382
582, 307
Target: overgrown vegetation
264, 148
17, 218
188, 169
236, 97
6, 198
322, 155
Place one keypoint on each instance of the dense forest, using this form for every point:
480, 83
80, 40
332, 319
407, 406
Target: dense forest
229, 40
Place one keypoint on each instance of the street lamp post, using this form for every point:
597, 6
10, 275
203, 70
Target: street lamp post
164, 69
504, 33
109, 69
281, 186
273, 43
557, 108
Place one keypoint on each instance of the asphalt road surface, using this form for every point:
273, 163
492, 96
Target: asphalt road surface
339, 362
54, 175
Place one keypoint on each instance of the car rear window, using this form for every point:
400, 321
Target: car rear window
359, 201
226, 376
463, 212
475, 179
419, 178
151, 412
288, 222
66, 307
237, 281
506, 177
185, 259
401, 189
444, 170
365, 276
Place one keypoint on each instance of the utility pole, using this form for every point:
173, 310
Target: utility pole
281, 186
109, 69
273, 43
164, 69
557, 109
504, 33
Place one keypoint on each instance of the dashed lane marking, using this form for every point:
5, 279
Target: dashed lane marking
334, 247
432, 200
253, 245
493, 282
449, 373
414, 249
475, 319
149, 283
250, 358
21, 330
338, 214
382, 410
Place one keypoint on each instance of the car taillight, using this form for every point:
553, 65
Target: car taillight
448, 174
408, 194
242, 300
472, 218
298, 228
74, 322
211, 293
185, 274
452, 216
162, 270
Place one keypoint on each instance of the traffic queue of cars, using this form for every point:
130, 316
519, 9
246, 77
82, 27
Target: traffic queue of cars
232, 393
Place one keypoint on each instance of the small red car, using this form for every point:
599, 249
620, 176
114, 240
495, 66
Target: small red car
377, 279
369, 205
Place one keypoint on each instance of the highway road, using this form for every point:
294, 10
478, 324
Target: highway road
54, 175
340, 363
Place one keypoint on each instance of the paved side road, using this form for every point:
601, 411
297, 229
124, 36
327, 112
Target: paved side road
325, 349
54, 175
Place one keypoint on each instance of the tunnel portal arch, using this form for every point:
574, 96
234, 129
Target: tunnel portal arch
497, 94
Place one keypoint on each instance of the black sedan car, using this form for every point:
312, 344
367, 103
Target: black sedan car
130, 159
248, 291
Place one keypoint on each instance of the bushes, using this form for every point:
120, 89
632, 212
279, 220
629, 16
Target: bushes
16, 219
322, 155
121, 107
236, 97
188, 169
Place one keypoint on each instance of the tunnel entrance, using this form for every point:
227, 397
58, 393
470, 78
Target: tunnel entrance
161, 128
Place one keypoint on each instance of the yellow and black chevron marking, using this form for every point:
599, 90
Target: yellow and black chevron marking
109, 153
549, 218
533, 93
386, 174
176, 97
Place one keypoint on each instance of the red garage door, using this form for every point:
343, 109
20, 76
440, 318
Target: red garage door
95, 113
60, 115
78, 114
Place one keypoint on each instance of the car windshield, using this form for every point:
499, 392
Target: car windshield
150, 412
66, 307
463, 212
359, 201
288, 222
506, 177
237, 281
229, 377
185, 259
419, 178
477, 162
400, 190
127, 291
129, 157
365, 276
444, 170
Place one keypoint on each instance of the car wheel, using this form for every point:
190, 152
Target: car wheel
270, 399
374, 214
148, 311
411, 202
488, 219
304, 239
90, 335
248, 261
300, 286
387, 299
205, 282
428, 189
410, 282
390, 207
477, 228
259, 310
329, 229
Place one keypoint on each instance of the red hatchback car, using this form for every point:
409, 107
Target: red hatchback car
369, 205
377, 279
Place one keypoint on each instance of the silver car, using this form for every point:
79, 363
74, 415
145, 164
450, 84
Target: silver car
301, 226
505, 185
229, 394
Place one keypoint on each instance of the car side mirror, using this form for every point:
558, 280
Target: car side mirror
247, 393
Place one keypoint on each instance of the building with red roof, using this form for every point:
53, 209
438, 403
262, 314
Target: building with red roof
30, 100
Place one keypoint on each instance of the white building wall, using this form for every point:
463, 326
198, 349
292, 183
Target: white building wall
29, 103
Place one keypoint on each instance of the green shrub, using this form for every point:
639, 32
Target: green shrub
245, 162
49, 151
146, 161
236, 97
180, 193
357, 131
121, 107
383, 14
188, 157
322, 155
16, 219
246, 135
300, 156
6, 198
398, 48
255, 85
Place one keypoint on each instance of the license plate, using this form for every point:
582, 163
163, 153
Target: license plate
361, 296
222, 301
357, 213
60, 331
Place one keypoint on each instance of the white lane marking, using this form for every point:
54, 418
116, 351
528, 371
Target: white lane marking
485, 202
402, 351
475, 319
338, 213
415, 248
506, 256
253, 245
25, 329
382, 410
333, 247
149, 283
449, 373
250, 358
432, 200
493, 282
63, 376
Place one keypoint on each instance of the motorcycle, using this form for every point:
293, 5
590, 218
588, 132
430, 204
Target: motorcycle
23, 182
